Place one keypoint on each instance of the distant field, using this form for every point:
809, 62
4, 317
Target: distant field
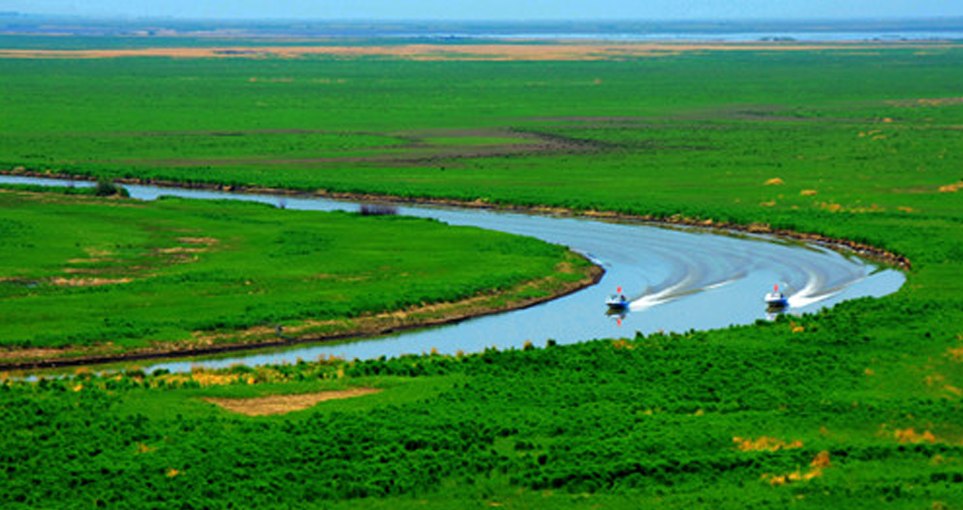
855, 407
856, 129
539, 51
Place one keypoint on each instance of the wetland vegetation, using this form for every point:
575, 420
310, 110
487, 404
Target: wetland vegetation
856, 407
96, 277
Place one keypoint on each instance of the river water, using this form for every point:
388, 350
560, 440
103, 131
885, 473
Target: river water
677, 279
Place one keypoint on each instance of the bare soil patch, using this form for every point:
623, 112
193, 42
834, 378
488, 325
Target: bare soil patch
197, 240
420, 149
283, 404
28, 353
927, 102
87, 282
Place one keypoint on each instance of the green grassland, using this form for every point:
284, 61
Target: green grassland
854, 407
82, 274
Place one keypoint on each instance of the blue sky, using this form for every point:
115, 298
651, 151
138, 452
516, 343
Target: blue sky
497, 9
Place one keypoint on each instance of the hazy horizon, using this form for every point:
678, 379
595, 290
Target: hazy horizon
495, 10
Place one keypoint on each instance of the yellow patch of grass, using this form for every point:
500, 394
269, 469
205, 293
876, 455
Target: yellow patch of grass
808, 192
910, 436
764, 443
622, 344
952, 188
144, 448
821, 460
205, 378
816, 467
775, 181
835, 208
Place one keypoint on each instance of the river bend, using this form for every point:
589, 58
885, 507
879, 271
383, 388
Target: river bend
677, 278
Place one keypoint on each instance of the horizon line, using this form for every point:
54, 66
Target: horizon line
280, 19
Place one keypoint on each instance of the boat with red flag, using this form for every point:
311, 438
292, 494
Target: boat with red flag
617, 301
776, 299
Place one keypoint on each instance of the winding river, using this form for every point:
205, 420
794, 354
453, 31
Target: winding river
677, 278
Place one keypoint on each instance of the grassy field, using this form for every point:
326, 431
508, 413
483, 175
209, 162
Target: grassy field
855, 407
106, 276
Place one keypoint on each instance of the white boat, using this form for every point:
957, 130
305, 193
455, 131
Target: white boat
617, 301
776, 299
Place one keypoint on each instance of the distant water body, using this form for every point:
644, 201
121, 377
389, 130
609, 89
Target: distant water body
949, 29
921, 29
721, 36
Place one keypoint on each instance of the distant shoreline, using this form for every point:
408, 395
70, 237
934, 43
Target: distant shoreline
734, 30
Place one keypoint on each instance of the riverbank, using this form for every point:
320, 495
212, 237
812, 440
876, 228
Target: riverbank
437, 314
863, 250
188, 277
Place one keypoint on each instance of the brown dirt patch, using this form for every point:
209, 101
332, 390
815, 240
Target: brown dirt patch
927, 102
87, 282
283, 404
29, 353
92, 261
419, 149
180, 249
197, 240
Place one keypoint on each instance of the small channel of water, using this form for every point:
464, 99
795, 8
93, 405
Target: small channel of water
677, 278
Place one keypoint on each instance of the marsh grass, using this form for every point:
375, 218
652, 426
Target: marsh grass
131, 274
855, 407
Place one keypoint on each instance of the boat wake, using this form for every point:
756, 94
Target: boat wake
816, 291
676, 279
687, 286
